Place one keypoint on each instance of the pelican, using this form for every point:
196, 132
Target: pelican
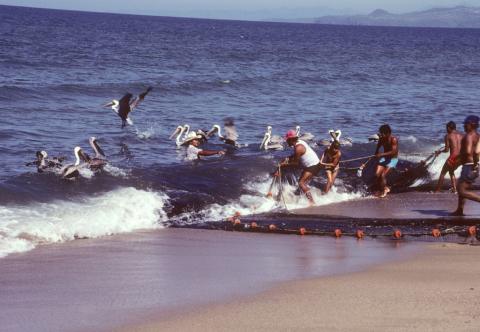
179, 132
96, 162
124, 106
70, 171
274, 138
305, 136
186, 130
231, 133
323, 142
44, 164
270, 145
374, 138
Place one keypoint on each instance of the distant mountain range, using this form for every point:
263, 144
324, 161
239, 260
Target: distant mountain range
457, 17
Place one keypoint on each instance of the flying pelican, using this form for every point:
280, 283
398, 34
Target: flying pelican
44, 164
230, 131
270, 145
179, 132
96, 162
274, 138
124, 106
305, 136
70, 171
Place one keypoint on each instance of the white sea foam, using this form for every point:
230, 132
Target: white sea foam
118, 211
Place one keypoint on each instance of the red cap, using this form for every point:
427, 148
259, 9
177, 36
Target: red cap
291, 134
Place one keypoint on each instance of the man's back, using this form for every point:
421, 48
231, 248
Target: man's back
454, 140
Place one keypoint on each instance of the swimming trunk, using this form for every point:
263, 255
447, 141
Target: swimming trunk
333, 169
313, 169
468, 175
454, 161
388, 162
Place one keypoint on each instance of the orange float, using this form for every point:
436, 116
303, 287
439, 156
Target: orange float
276, 175
397, 234
254, 224
237, 214
230, 219
237, 221
302, 231
272, 227
269, 194
472, 230
337, 232
435, 233
406, 169
359, 234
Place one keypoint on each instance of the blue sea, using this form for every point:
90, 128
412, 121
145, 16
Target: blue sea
58, 68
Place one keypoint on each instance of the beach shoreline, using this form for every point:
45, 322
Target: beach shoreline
437, 290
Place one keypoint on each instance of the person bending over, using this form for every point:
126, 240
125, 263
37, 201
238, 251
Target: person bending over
332, 165
387, 160
305, 156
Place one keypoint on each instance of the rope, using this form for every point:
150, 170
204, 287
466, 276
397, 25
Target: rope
280, 185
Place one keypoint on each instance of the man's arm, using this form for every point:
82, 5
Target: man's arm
209, 153
335, 161
447, 145
323, 155
299, 151
394, 150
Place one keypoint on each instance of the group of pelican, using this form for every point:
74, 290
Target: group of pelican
230, 137
276, 142
71, 170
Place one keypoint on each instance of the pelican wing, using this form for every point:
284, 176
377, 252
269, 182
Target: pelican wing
230, 131
124, 106
138, 99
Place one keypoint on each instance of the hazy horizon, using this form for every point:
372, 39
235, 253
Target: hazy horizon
245, 9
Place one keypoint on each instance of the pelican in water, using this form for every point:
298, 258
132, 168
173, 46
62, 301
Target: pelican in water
274, 139
124, 106
374, 138
305, 136
269, 145
335, 136
178, 132
71, 171
230, 131
96, 162
44, 164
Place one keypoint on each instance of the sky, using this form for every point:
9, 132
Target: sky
173, 7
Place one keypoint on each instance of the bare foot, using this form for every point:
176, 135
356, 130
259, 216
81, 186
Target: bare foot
387, 190
379, 194
434, 192
313, 204
457, 213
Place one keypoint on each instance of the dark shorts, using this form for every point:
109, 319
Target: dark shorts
468, 175
313, 169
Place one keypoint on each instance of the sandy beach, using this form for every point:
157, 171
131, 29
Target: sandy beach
437, 291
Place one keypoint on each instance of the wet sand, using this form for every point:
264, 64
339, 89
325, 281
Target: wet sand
437, 291
408, 205
99, 284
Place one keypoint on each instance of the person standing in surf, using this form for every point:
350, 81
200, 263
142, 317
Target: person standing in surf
332, 165
193, 152
469, 156
305, 156
453, 141
387, 160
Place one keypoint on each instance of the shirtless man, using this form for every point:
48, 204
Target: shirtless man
469, 154
304, 155
332, 165
387, 160
452, 143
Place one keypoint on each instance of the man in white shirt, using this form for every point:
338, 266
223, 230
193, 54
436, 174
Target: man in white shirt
193, 152
304, 155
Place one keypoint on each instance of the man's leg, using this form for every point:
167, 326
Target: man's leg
462, 199
304, 178
454, 182
378, 176
329, 181
441, 178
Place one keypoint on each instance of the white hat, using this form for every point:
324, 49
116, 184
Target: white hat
191, 136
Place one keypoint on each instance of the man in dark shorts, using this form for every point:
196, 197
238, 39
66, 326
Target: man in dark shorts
387, 160
305, 156
469, 154
453, 141
332, 165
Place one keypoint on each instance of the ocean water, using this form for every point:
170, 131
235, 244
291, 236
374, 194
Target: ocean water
58, 68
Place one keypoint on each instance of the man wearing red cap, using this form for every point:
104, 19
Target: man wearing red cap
304, 155
469, 154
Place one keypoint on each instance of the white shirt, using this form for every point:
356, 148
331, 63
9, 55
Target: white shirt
310, 158
192, 153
